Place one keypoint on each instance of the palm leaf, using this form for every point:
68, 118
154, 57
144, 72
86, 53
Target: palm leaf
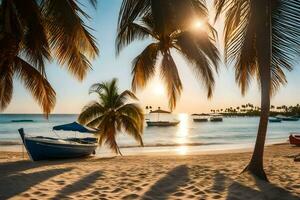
144, 66
90, 112
36, 83
130, 33
203, 67
169, 73
6, 82
68, 36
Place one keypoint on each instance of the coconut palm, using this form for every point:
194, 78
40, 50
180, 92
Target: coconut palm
112, 114
33, 32
157, 20
262, 39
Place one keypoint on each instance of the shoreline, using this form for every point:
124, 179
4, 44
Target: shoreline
175, 150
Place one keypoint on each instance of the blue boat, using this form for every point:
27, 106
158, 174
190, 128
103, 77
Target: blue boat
45, 148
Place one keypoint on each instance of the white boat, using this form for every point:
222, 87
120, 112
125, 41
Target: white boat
159, 122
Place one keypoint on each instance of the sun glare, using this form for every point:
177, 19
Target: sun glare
198, 24
159, 89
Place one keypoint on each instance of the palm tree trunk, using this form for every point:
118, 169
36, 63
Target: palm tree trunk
264, 54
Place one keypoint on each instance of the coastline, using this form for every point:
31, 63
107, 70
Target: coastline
167, 150
152, 177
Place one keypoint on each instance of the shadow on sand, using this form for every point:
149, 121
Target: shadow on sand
14, 183
265, 190
79, 185
168, 184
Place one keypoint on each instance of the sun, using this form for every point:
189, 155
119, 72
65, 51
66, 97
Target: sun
198, 24
159, 89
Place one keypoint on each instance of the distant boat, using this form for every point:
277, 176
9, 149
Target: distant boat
162, 123
200, 119
22, 120
284, 118
43, 148
295, 139
274, 120
159, 122
216, 118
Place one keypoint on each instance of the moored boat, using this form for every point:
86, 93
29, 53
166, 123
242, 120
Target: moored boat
43, 148
274, 120
159, 122
162, 123
295, 139
200, 119
216, 118
284, 118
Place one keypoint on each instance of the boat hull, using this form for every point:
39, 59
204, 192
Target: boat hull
275, 120
200, 120
162, 123
294, 139
216, 119
51, 148
283, 118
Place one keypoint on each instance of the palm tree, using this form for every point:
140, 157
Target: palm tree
112, 114
156, 20
33, 32
262, 38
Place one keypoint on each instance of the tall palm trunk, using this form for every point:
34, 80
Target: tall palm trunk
264, 55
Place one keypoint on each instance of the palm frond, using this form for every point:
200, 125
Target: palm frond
144, 66
124, 97
132, 127
35, 45
129, 33
201, 63
90, 112
135, 112
6, 82
69, 36
37, 84
130, 10
169, 73
285, 33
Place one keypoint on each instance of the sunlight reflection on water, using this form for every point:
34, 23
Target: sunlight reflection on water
182, 133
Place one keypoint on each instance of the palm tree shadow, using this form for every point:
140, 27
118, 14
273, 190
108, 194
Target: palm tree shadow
8, 182
266, 190
272, 191
168, 184
220, 182
79, 185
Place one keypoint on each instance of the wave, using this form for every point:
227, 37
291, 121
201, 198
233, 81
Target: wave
21, 120
173, 144
9, 143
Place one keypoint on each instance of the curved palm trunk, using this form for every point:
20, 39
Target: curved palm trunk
264, 55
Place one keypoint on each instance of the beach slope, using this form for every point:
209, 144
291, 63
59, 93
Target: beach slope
151, 177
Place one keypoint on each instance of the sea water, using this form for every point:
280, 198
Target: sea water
187, 137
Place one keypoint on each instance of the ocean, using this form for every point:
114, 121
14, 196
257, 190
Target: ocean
187, 137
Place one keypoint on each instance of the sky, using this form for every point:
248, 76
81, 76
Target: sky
72, 95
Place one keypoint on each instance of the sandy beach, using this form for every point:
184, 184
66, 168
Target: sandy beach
151, 177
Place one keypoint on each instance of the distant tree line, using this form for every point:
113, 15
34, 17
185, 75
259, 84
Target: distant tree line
252, 110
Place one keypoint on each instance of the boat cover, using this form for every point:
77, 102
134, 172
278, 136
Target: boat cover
74, 126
